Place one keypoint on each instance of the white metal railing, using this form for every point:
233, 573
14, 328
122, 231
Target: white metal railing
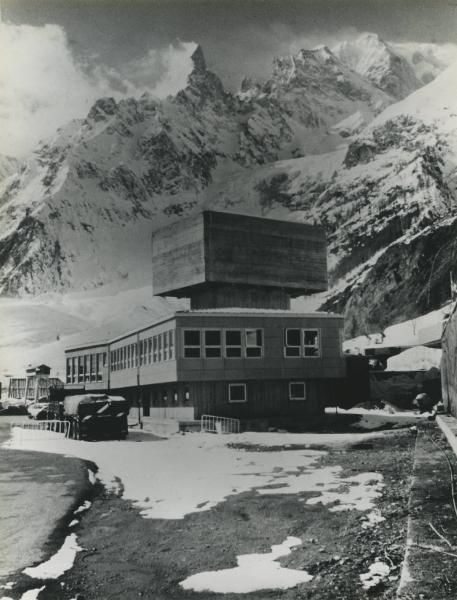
54, 426
215, 424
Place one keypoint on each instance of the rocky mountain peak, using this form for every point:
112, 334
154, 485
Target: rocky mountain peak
198, 58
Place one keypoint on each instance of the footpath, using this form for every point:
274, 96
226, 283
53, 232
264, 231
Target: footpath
431, 554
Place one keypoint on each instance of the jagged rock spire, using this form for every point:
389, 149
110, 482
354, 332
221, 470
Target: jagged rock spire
198, 58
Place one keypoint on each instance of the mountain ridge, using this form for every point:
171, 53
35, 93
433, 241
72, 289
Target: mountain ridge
79, 213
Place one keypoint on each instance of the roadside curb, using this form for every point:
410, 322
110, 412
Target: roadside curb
448, 426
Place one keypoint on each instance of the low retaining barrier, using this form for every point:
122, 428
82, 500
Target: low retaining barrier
55, 427
214, 424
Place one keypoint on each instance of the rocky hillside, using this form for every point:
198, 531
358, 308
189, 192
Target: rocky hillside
323, 140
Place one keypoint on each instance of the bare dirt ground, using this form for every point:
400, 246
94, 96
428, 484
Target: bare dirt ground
128, 557
125, 556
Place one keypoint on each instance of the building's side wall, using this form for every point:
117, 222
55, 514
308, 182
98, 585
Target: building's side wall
178, 257
152, 365
273, 364
261, 252
449, 365
265, 399
88, 367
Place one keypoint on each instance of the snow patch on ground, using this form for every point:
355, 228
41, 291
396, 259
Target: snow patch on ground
84, 506
92, 476
376, 573
372, 519
254, 572
59, 563
358, 492
194, 473
32, 594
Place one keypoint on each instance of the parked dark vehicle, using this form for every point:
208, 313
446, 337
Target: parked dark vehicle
96, 416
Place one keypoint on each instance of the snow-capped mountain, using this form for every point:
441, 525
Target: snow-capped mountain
320, 141
396, 68
374, 59
8, 166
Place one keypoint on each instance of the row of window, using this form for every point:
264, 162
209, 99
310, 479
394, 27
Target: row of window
157, 348
198, 343
248, 343
86, 368
237, 392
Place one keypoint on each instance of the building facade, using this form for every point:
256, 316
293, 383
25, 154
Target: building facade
34, 386
239, 351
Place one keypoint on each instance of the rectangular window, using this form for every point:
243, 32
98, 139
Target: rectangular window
233, 343
93, 375
105, 356
186, 394
99, 366
80, 369
149, 350
192, 343
213, 343
237, 392
68, 370
159, 347
254, 343
171, 344
140, 343
86, 368
292, 342
297, 390
311, 342
154, 346
113, 360
165, 345
135, 354
129, 356
73, 370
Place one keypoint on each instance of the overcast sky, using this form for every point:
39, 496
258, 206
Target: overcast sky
59, 56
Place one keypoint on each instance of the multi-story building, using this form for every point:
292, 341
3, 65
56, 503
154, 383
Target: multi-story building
239, 351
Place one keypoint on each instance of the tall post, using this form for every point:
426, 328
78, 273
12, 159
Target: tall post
138, 389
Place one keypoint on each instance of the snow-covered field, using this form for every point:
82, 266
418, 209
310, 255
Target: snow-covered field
195, 472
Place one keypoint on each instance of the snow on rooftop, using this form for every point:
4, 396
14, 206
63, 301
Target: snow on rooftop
407, 333
416, 359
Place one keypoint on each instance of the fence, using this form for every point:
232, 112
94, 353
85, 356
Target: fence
215, 424
54, 427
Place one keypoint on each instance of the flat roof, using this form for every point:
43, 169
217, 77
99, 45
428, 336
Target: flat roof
213, 312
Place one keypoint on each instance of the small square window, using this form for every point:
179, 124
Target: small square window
192, 337
297, 390
237, 392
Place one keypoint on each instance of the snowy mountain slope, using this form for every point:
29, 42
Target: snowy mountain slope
79, 214
427, 60
313, 90
8, 166
377, 61
396, 68
81, 211
388, 203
